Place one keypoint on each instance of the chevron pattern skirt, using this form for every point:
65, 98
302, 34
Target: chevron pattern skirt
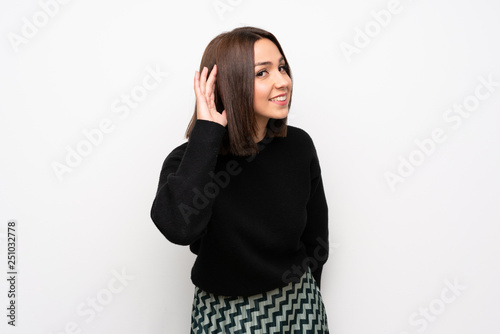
296, 308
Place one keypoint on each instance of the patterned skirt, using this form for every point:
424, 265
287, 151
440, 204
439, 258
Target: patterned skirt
296, 308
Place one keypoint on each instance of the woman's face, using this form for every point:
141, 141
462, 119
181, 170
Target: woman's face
272, 83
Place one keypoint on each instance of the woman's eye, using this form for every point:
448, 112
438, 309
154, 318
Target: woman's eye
282, 68
260, 73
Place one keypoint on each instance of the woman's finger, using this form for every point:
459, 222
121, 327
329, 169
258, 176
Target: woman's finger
203, 80
211, 82
197, 84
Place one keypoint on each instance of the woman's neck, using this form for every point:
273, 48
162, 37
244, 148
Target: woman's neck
261, 129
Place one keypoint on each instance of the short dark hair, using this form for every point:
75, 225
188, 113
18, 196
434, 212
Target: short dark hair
233, 52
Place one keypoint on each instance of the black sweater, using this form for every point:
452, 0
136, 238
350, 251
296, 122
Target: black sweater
255, 222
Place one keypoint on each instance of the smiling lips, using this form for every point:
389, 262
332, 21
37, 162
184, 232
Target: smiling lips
279, 99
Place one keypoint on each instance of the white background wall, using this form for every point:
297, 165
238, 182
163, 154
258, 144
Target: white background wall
395, 250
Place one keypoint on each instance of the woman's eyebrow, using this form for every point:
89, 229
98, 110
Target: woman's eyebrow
269, 62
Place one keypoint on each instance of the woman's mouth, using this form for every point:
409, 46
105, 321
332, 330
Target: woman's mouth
280, 100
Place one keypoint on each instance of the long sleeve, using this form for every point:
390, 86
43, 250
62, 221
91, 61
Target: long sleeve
315, 235
181, 210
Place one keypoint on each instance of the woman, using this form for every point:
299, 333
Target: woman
245, 193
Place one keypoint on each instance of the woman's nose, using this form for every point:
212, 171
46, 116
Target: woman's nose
280, 80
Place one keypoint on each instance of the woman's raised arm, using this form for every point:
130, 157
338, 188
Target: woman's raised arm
180, 210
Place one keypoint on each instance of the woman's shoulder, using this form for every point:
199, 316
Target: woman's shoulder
305, 146
175, 155
179, 149
299, 136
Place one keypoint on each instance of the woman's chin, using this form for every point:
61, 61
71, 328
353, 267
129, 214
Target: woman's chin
281, 115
